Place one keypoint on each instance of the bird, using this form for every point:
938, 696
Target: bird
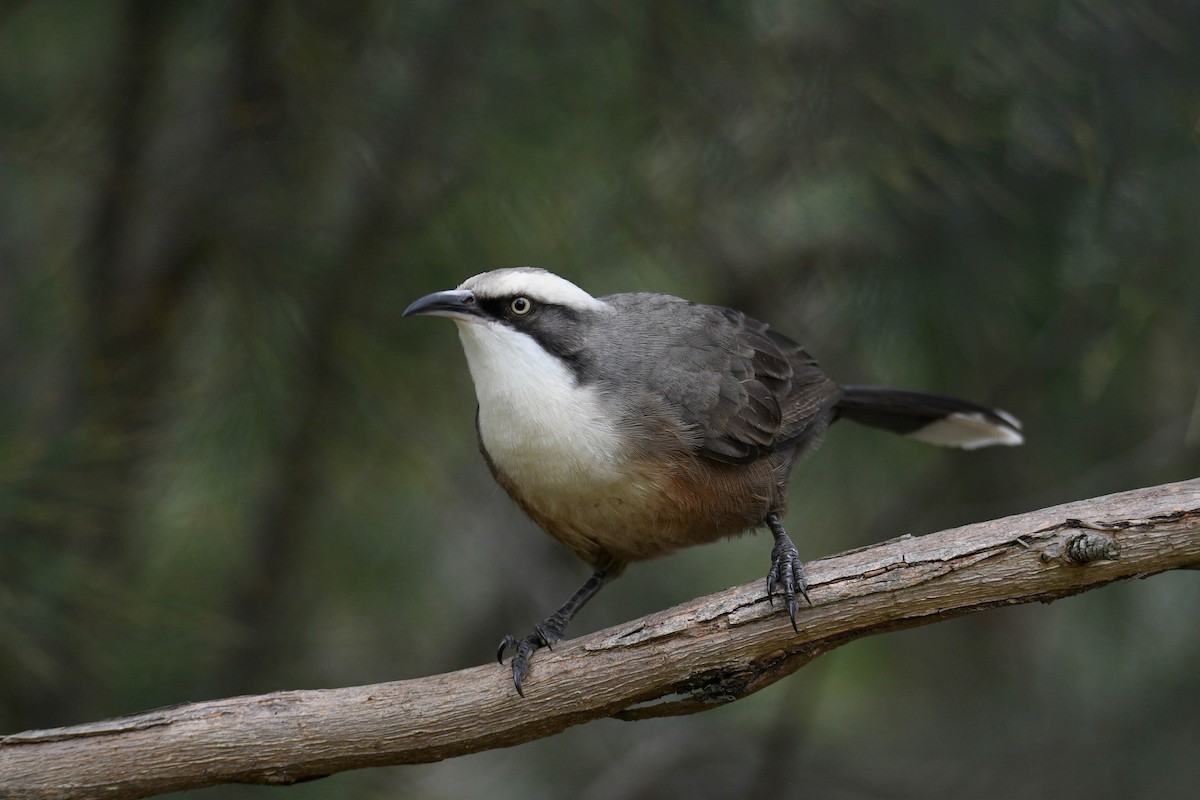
632, 425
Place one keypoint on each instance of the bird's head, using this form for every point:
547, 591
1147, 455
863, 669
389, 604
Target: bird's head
515, 297
518, 324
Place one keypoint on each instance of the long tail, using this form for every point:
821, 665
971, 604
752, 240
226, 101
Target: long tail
930, 418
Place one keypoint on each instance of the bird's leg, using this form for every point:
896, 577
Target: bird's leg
550, 630
787, 570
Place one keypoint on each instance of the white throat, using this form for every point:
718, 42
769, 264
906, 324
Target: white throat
542, 429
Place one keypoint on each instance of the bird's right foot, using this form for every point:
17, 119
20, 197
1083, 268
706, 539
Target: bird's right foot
787, 570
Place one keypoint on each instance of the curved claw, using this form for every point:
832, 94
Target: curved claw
524, 649
542, 636
787, 570
508, 641
549, 631
520, 663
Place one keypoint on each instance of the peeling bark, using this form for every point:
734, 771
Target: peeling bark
686, 659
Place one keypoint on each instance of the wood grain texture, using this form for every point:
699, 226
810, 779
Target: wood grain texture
695, 656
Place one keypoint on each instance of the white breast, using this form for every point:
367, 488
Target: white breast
545, 432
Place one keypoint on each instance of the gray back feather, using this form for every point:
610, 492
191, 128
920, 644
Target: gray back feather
719, 381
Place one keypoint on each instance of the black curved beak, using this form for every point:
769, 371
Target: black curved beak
455, 304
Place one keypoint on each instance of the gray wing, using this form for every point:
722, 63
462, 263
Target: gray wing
772, 396
745, 390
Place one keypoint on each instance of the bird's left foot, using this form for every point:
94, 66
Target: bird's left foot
544, 635
787, 570
551, 630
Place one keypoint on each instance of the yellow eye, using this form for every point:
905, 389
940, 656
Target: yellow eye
521, 306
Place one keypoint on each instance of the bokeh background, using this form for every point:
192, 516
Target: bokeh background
228, 466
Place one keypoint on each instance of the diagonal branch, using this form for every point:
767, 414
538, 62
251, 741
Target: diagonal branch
689, 658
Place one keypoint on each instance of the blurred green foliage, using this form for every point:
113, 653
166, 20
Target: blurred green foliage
226, 465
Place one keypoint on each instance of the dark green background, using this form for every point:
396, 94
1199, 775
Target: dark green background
228, 466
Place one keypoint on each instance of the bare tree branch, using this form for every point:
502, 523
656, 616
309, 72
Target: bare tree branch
689, 658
